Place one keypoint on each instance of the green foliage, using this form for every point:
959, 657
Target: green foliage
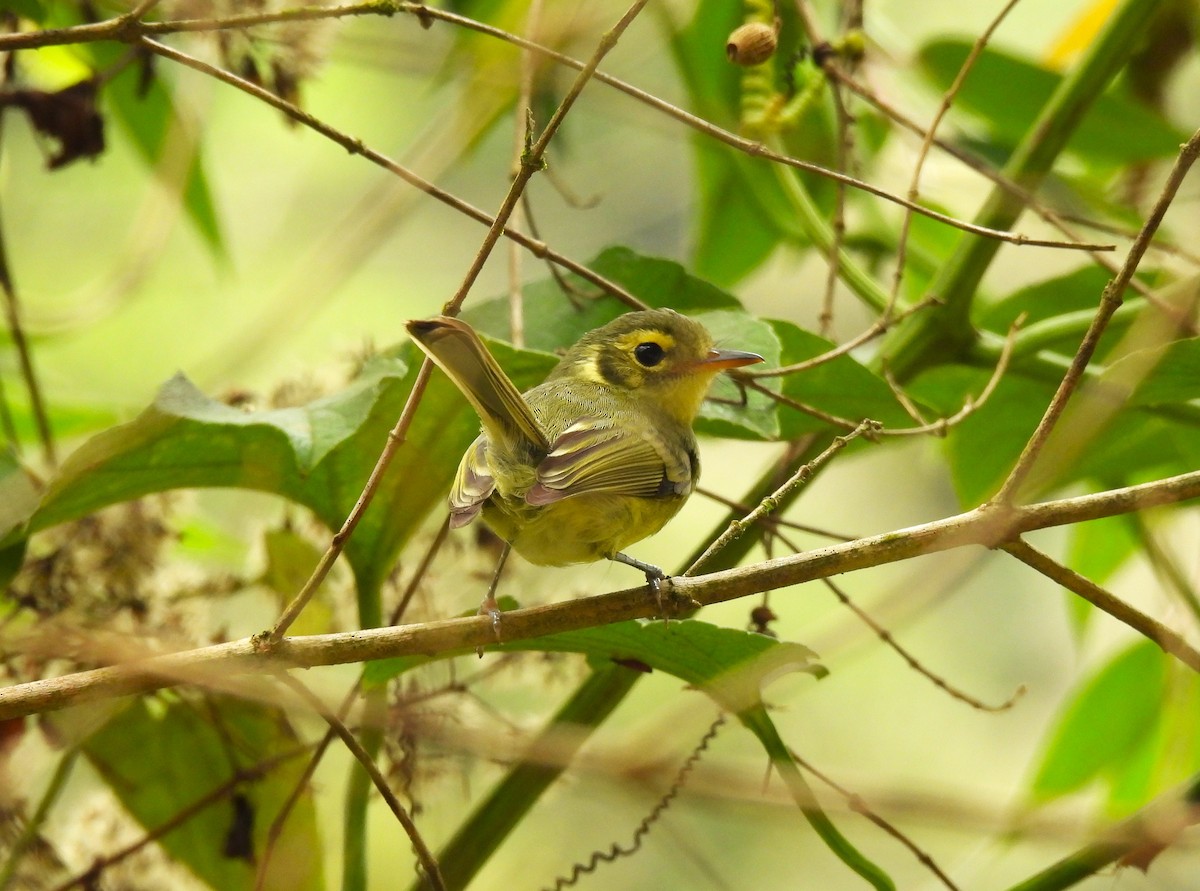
140, 754
1132, 727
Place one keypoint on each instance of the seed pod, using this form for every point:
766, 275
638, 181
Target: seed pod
752, 43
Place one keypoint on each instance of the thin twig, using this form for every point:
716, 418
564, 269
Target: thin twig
531, 162
428, 862
877, 329
970, 405
1109, 302
12, 314
1150, 628
423, 567
983, 168
396, 436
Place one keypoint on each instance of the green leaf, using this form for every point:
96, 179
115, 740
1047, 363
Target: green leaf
18, 496
729, 664
161, 755
1105, 722
318, 455
1007, 93
842, 387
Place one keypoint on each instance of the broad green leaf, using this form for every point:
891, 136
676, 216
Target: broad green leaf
1104, 723
1007, 93
842, 387
729, 664
319, 455
159, 756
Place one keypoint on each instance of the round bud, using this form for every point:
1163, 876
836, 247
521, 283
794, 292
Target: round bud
752, 43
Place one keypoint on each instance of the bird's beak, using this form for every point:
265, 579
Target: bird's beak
719, 360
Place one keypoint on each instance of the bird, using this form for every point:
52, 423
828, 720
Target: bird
597, 457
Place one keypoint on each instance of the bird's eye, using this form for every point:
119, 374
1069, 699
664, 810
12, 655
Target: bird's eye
648, 354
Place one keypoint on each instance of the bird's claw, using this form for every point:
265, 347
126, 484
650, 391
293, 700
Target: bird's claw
490, 608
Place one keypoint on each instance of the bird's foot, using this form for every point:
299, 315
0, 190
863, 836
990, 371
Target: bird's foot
654, 579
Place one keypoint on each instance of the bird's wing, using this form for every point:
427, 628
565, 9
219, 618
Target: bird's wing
592, 458
473, 484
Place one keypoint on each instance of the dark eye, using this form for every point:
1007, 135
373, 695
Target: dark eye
648, 354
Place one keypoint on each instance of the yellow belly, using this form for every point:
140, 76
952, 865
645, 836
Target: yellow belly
580, 529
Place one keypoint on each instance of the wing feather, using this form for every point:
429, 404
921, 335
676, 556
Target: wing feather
473, 485
589, 457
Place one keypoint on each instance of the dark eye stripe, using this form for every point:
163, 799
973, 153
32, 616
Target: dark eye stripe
648, 354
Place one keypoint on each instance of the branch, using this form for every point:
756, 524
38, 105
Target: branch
989, 526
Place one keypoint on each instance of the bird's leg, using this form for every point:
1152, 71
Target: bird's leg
490, 607
654, 575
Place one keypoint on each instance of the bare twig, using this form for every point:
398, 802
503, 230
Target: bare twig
771, 502
356, 147
877, 329
12, 314
970, 406
1109, 302
530, 163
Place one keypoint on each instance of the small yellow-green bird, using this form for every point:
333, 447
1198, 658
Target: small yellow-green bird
597, 457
